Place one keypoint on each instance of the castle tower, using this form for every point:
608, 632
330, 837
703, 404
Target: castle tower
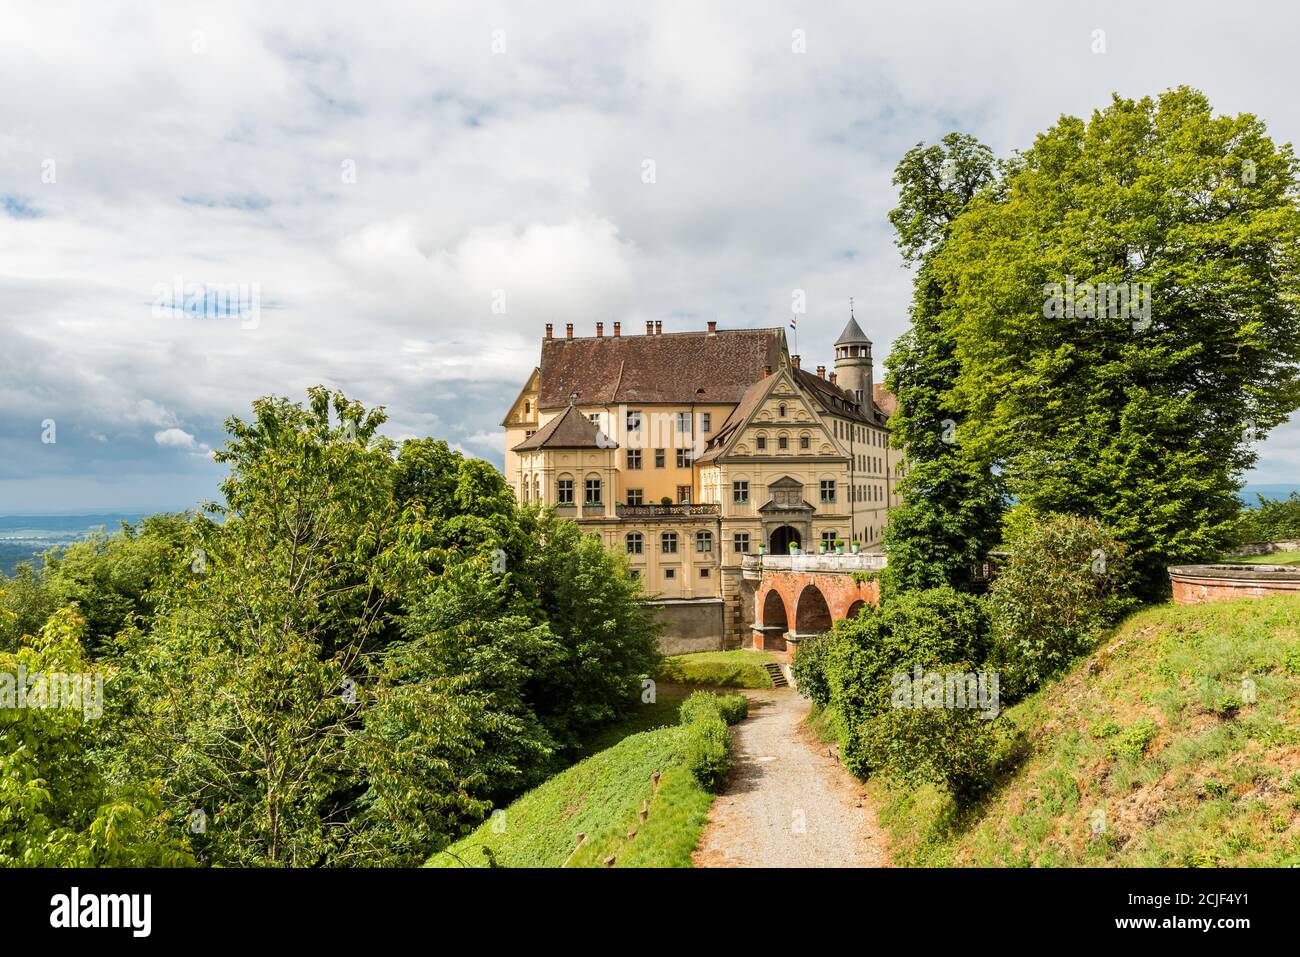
853, 361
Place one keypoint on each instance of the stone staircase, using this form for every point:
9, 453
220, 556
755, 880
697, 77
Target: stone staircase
778, 675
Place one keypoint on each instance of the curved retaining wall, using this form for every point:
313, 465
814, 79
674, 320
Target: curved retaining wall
1197, 584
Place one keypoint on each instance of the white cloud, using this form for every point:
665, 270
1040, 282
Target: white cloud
175, 439
476, 172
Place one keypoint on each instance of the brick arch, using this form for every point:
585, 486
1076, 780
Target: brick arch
767, 607
812, 612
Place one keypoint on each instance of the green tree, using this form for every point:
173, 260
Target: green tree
57, 809
948, 516
1140, 416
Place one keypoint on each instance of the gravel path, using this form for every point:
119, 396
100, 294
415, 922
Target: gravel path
787, 803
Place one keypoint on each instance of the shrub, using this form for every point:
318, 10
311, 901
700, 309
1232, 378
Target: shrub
1062, 585
809, 668
938, 629
952, 748
734, 708
731, 708
1272, 520
1133, 742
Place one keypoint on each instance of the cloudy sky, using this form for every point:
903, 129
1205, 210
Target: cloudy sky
415, 189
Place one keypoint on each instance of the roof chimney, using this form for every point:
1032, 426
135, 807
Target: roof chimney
549, 330
713, 327
767, 371
618, 329
568, 330
600, 330
794, 361
649, 327
832, 378
659, 327
821, 372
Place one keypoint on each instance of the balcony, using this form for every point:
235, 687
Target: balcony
668, 511
753, 566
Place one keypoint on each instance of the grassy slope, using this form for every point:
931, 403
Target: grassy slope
600, 797
742, 668
1273, 558
1218, 784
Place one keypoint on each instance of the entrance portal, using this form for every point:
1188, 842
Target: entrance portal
782, 538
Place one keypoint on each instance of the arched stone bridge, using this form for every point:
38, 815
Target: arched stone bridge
799, 595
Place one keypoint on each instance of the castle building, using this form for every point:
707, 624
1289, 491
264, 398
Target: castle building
687, 451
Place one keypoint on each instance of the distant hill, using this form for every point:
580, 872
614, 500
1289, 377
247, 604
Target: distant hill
24, 537
1276, 490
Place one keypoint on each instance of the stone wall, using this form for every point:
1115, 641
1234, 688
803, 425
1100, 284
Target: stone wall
1198, 584
1265, 548
690, 624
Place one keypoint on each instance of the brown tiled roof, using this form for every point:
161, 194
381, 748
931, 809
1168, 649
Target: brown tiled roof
837, 400
568, 430
748, 402
675, 367
885, 400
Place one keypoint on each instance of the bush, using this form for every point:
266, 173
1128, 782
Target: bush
809, 668
731, 708
849, 671
1272, 520
734, 708
1062, 585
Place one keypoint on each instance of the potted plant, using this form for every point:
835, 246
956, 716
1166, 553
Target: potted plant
821, 548
839, 546
762, 549
666, 500
857, 546
794, 548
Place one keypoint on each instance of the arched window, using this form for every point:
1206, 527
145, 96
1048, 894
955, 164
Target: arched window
780, 410
782, 442
528, 407
591, 490
760, 442
564, 490
805, 442
668, 543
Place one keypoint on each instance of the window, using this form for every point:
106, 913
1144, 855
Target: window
594, 417
783, 442
740, 492
564, 491
704, 573
636, 573
828, 539
761, 443
683, 422
635, 542
683, 495
704, 541
683, 458
670, 573
780, 410
528, 407
634, 420
659, 458
805, 443
828, 490
593, 491
527, 486
668, 543
706, 422
634, 458
740, 543
635, 497
529, 433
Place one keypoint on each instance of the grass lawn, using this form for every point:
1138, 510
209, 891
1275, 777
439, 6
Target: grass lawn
1275, 558
1176, 744
644, 716
742, 668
